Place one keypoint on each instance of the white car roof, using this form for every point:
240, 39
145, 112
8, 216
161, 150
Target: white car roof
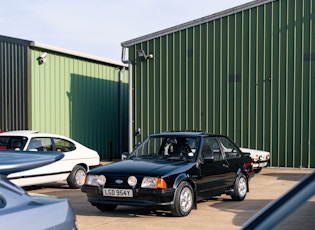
33, 133
20, 132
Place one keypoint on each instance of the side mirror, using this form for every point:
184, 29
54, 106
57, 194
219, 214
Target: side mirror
124, 155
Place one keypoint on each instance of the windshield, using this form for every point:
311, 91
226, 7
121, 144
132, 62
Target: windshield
12, 142
168, 147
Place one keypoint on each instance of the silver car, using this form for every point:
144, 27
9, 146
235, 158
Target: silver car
18, 209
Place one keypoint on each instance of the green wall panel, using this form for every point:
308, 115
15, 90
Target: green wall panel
249, 75
78, 98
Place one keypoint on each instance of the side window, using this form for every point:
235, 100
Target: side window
40, 144
63, 145
206, 151
212, 141
229, 149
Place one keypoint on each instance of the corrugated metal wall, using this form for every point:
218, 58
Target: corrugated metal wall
249, 75
13, 83
78, 98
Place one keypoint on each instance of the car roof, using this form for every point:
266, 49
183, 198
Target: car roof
33, 133
20, 132
185, 133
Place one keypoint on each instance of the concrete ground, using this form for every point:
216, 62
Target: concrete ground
217, 213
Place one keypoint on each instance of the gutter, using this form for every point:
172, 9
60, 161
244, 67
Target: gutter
76, 54
120, 110
130, 95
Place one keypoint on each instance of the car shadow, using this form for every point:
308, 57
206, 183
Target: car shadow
246, 209
57, 185
286, 176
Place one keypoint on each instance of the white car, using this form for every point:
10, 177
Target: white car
260, 158
77, 161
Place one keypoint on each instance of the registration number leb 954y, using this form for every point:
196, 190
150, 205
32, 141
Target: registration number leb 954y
117, 192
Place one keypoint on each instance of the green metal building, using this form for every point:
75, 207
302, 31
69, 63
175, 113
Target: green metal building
59, 91
247, 72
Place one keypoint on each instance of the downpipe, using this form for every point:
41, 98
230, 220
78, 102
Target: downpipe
130, 94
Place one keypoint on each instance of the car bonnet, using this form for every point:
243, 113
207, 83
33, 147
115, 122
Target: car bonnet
15, 161
142, 167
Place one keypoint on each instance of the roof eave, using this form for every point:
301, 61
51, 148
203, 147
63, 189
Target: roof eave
77, 54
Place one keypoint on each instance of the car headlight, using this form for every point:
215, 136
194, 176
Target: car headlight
153, 182
256, 158
95, 180
132, 181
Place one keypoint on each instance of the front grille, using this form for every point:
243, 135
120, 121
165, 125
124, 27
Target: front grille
111, 181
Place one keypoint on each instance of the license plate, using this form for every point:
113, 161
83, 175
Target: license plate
114, 192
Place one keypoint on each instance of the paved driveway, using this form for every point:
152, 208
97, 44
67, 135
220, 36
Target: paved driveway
218, 213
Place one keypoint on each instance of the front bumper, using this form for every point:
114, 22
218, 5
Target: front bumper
260, 164
157, 198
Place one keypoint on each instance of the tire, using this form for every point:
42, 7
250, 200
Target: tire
183, 200
106, 207
240, 188
76, 177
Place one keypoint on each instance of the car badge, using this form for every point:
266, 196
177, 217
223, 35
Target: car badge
118, 181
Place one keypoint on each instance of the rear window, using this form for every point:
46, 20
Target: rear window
63, 145
12, 142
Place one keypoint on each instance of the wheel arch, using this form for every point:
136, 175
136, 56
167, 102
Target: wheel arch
184, 177
83, 165
74, 179
245, 173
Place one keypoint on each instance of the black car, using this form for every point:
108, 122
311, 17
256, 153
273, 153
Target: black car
172, 171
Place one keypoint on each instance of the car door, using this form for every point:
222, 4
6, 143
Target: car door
214, 170
58, 170
232, 155
42, 174
42, 144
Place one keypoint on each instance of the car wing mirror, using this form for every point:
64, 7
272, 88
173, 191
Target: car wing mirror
124, 155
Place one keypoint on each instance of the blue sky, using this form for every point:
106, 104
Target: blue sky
97, 27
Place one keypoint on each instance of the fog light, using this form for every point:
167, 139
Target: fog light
132, 181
